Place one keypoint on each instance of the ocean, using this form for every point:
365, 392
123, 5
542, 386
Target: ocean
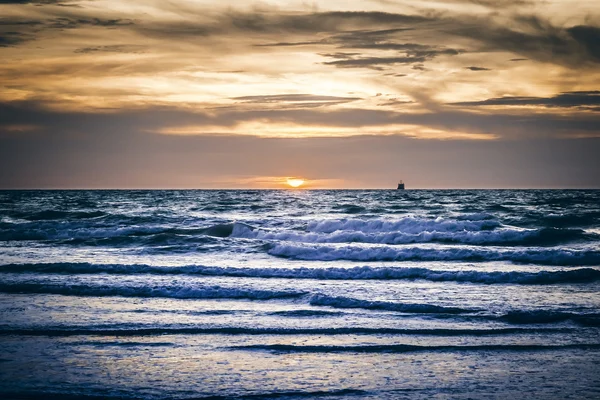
300, 294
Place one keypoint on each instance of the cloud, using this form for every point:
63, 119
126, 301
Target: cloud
26, 30
289, 44
262, 23
589, 99
379, 40
535, 38
408, 48
117, 48
36, 2
589, 38
396, 102
18, 22
8, 39
374, 62
340, 54
348, 121
291, 101
477, 69
72, 23
293, 98
373, 40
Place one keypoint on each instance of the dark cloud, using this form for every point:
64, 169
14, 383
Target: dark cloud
477, 69
409, 53
19, 22
8, 39
374, 40
518, 59
23, 30
72, 23
340, 55
118, 48
567, 99
37, 2
293, 101
293, 98
535, 38
277, 23
499, 3
289, 44
379, 34
589, 38
381, 40
410, 49
405, 47
529, 36
519, 125
374, 17
395, 102
357, 37
374, 62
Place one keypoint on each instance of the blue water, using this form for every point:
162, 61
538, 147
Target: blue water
300, 294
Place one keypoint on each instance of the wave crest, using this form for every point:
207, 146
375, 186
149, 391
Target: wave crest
579, 275
176, 292
359, 253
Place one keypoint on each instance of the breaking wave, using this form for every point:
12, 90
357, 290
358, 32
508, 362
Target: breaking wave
579, 275
346, 302
156, 331
176, 292
513, 317
405, 348
358, 253
548, 317
504, 236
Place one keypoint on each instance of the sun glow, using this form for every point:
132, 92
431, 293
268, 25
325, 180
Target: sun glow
295, 182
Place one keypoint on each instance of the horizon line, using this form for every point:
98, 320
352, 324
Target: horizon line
299, 189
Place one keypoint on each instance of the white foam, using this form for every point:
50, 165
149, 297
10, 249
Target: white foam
548, 256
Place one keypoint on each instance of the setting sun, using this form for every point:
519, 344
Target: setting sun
295, 182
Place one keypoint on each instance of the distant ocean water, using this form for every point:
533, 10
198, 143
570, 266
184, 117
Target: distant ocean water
359, 294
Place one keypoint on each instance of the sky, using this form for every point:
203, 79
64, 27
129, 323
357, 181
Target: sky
343, 94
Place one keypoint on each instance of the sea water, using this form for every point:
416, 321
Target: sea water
360, 294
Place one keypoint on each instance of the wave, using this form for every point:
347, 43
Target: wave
548, 317
316, 394
159, 331
406, 225
514, 317
306, 313
359, 253
580, 275
121, 344
584, 219
347, 302
80, 233
349, 208
48, 215
176, 292
504, 236
128, 232
474, 229
405, 348
225, 230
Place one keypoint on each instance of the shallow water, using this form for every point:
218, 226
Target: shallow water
300, 294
